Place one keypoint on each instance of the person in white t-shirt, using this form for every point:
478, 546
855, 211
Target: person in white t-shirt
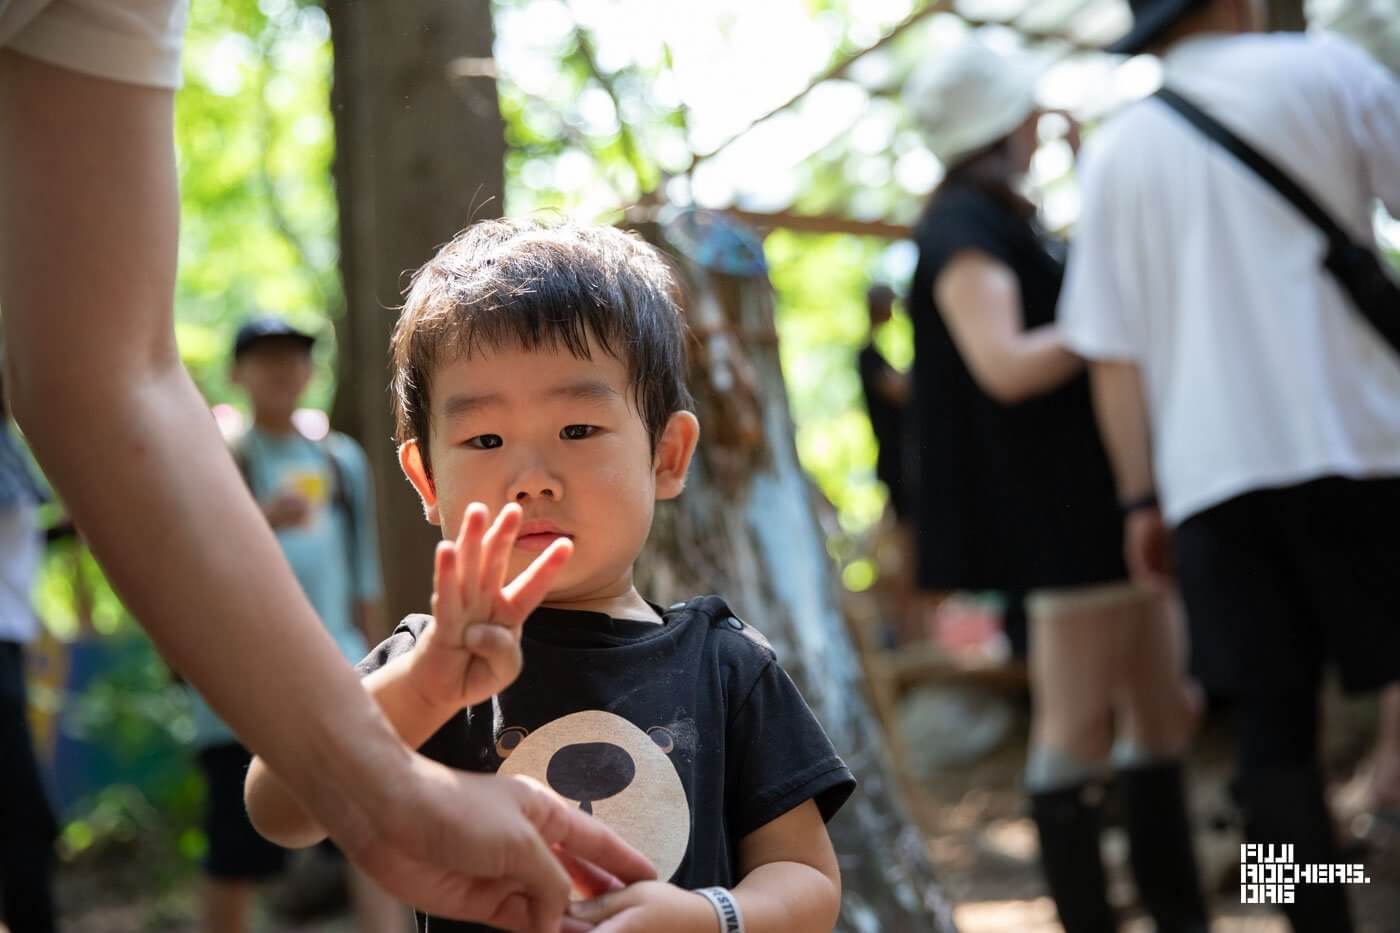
88, 231
1251, 413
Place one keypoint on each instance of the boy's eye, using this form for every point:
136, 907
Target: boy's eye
485, 441
577, 432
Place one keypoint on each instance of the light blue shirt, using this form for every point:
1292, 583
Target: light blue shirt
320, 550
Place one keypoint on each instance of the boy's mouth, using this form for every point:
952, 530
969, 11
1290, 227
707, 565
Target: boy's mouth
537, 535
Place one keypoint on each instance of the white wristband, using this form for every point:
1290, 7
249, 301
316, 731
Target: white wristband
726, 908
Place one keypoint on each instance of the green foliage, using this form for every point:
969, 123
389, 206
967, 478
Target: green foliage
141, 725
820, 283
255, 141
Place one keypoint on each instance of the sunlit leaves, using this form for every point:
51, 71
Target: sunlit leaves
255, 144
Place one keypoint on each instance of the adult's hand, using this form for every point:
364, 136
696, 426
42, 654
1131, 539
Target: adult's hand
487, 848
1147, 548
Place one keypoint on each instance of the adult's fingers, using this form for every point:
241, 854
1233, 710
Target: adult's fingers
513, 907
546, 883
497, 902
529, 589
571, 830
589, 880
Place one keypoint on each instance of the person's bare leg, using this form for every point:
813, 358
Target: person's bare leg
88, 230
376, 911
1072, 680
226, 906
1160, 706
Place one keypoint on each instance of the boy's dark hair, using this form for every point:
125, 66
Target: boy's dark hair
537, 286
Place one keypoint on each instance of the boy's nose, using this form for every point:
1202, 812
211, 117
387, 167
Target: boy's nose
536, 483
543, 492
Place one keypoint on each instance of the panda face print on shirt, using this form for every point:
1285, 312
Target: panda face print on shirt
613, 770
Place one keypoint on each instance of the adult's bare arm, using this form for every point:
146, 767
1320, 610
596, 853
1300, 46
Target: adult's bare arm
894, 386
1121, 411
980, 301
88, 230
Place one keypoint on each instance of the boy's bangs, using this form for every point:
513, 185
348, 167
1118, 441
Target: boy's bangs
539, 288
530, 321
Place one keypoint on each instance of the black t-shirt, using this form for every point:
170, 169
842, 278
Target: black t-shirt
1007, 496
886, 420
683, 737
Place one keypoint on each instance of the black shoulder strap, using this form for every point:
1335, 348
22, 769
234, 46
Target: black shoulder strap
340, 494
1274, 176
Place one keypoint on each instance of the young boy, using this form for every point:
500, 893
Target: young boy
540, 373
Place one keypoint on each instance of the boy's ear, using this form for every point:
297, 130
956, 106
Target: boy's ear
674, 452
411, 460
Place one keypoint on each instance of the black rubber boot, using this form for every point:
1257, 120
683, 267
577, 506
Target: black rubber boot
1162, 854
1069, 821
1283, 806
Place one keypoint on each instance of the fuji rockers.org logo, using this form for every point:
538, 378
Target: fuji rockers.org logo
1269, 875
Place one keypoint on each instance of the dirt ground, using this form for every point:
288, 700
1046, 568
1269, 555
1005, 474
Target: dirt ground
984, 846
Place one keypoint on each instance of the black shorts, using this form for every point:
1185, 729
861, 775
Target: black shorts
1279, 583
236, 851
27, 825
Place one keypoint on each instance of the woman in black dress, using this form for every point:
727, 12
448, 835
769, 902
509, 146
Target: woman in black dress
1014, 493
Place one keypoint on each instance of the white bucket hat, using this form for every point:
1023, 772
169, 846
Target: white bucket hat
967, 98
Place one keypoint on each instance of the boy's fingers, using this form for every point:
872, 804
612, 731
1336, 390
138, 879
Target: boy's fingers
447, 593
496, 548
611, 912
469, 558
496, 657
528, 590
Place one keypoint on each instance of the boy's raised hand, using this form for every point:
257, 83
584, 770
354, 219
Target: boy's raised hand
471, 651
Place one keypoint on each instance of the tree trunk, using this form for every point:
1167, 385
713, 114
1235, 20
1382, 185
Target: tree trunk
746, 528
419, 155
1286, 16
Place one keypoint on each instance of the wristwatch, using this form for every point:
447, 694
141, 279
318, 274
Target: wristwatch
1147, 500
